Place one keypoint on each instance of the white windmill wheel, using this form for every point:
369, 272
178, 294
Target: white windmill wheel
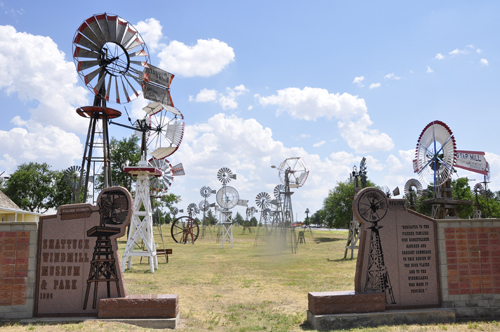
296, 169
435, 154
227, 197
166, 130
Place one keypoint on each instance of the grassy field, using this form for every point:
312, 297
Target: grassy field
247, 288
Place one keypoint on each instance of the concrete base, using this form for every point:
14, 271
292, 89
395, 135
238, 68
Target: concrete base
139, 306
474, 313
345, 302
390, 317
151, 323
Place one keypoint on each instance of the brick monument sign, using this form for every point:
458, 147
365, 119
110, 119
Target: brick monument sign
78, 262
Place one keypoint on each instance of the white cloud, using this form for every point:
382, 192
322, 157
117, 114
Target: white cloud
40, 144
205, 58
313, 103
429, 70
479, 51
457, 51
204, 96
249, 149
316, 145
351, 111
392, 76
374, 85
358, 80
484, 62
35, 69
227, 100
439, 56
151, 32
250, 108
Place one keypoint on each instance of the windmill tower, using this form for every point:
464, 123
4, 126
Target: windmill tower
293, 173
353, 237
413, 190
227, 198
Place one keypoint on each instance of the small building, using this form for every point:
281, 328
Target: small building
9, 211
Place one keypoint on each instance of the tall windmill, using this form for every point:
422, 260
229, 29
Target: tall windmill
435, 159
110, 55
227, 197
357, 177
293, 173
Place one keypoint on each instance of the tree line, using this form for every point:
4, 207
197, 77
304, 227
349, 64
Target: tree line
37, 188
336, 211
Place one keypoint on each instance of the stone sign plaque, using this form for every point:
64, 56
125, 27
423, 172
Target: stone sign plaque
397, 253
78, 261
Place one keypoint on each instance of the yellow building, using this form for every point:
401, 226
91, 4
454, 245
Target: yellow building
9, 211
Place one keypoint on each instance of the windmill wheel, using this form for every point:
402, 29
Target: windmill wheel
72, 176
174, 211
184, 230
478, 188
224, 175
413, 186
278, 191
192, 209
161, 183
386, 191
435, 154
204, 206
263, 200
205, 191
166, 130
110, 55
295, 169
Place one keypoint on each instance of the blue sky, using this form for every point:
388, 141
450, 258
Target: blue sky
260, 81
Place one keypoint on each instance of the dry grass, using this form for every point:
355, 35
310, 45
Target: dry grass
246, 288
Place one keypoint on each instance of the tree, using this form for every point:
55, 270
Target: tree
253, 222
34, 187
211, 218
122, 153
337, 206
462, 191
238, 219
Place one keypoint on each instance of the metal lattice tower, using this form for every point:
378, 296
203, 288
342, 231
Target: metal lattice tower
377, 279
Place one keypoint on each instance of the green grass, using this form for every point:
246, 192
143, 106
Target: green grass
246, 288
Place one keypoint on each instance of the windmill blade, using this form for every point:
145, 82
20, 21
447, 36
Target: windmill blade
100, 83
120, 31
112, 26
117, 90
86, 31
92, 22
85, 42
125, 90
411, 185
89, 77
108, 89
140, 63
83, 53
134, 44
82, 65
103, 26
129, 36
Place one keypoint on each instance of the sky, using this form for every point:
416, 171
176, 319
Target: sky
262, 81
